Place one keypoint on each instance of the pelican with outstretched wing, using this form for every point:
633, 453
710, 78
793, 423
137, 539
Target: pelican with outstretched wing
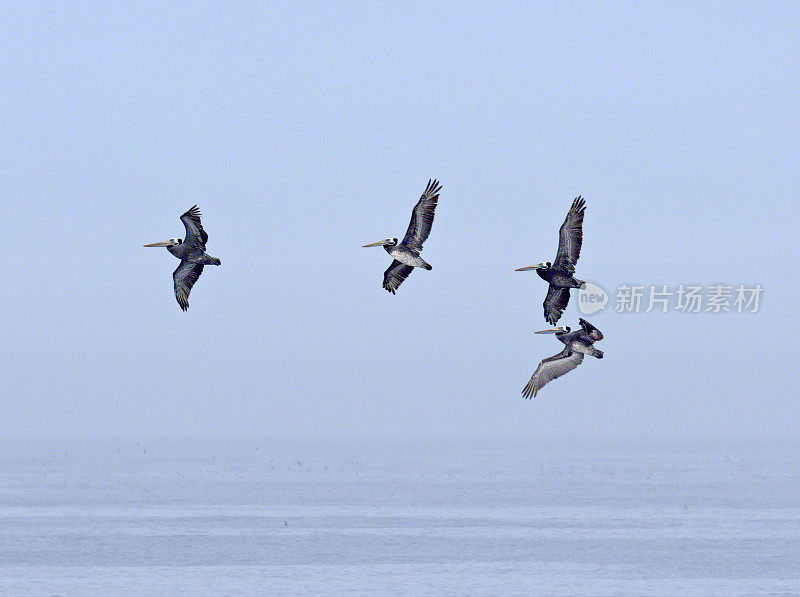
576, 344
406, 254
560, 273
192, 253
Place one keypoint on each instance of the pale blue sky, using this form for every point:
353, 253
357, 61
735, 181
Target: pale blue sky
306, 130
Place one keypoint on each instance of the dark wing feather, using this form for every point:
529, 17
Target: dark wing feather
395, 274
550, 369
185, 277
592, 333
570, 237
554, 303
195, 234
422, 217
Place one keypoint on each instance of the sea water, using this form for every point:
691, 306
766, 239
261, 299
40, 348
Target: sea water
405, 515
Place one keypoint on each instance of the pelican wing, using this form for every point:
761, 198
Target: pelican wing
185, 277
570, 237
422, 217
194, 229
550, 369
395, 274
591, 332
554, 303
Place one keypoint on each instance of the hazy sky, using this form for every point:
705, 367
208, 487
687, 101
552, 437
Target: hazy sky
304, 131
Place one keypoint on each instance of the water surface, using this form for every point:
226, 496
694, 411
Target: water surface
444, 516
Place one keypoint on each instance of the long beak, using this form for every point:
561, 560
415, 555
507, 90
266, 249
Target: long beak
550, 331
528, 268
380, 242
163, 243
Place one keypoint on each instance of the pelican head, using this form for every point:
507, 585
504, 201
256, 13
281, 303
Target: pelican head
542, 265
389, 242
561, 329
166, 243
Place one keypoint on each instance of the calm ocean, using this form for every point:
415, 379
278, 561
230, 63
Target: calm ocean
419, 515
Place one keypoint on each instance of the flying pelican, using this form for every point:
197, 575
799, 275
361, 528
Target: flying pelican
578, 343
559, 274
406, 254
192, 253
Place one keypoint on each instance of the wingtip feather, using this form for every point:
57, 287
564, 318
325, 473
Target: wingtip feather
193, 212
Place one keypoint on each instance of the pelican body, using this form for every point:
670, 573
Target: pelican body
192, 253
406, 255
560, 273
576, 344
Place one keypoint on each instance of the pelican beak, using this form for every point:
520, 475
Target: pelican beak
163, 243
528, 268
380, 242
550, 331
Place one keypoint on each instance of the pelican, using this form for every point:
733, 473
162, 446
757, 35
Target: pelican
577, 344
406, 254
559, 274
192, 253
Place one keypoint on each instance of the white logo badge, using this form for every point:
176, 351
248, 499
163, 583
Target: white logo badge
591, 299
